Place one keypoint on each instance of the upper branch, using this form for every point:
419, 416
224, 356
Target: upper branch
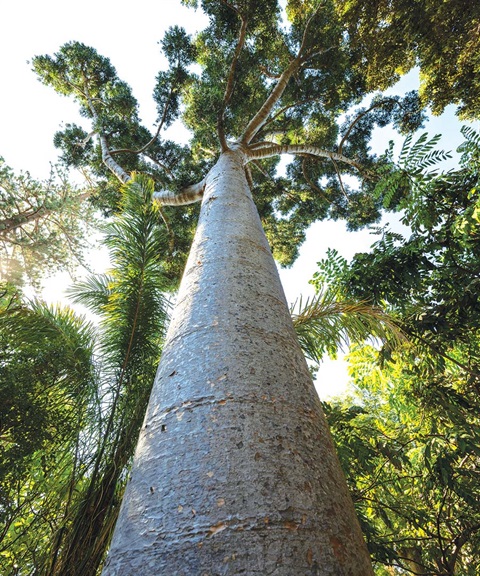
360, 116
261, 116
155, 136
231, 77
106, 156
188, 195
271, 149
110, 162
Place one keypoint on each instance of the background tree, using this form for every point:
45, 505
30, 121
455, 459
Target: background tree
43, 225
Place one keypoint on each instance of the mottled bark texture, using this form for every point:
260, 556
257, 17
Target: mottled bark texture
235, 471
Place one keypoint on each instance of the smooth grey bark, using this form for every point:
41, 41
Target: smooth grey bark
235, 471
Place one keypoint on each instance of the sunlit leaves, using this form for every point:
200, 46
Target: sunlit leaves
328, 323
411, 467
389, 38
43, 225
417, 492
70, 419
47, 389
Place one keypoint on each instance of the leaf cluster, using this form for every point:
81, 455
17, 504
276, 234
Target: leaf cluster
389, 38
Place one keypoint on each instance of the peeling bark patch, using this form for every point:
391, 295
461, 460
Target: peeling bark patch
217, 528
338, 547
292, 526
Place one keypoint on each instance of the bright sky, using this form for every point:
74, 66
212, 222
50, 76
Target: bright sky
128, 34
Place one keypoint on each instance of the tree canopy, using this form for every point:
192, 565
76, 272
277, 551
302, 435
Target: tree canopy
301, 82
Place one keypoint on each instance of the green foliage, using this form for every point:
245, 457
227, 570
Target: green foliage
344, 49
47, 387
114, 128
327, 323
74, 401
43, 225
337, 51
401, 181
411, 466
391, 37
411, 450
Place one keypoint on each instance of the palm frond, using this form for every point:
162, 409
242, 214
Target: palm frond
326, 324
93, 292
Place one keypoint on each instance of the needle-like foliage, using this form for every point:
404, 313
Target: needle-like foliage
84, 404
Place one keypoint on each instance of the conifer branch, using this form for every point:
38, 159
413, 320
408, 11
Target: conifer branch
360, 116
248, 175
289, 107
170, 232
110, 163
107, 158
155, 136
257, 122
304, 37
260, 118
310, 182
340, 181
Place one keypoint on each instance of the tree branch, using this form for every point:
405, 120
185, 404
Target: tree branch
110, 163
231, 76
261, 116
152, 140
188, 195
27, 217
276, 149
312, 184
288, 107
360, 116
248, 175
107, 159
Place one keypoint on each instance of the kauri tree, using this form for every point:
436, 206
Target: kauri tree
235, 469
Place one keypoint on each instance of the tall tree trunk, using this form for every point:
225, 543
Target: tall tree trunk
235, 471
